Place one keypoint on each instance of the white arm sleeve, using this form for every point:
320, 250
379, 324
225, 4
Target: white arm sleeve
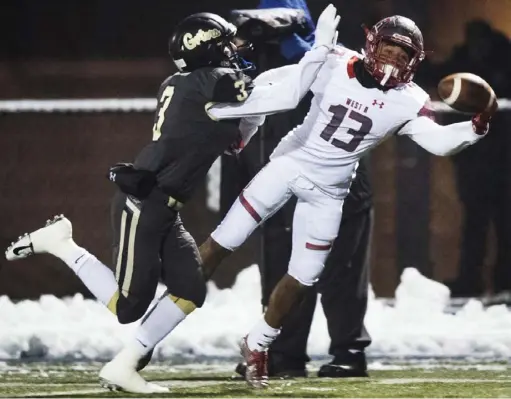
249, 126
440, 140
276, 90
271, 75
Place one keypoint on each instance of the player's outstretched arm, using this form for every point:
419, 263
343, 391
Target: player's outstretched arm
282, 89
281, 94
448, 139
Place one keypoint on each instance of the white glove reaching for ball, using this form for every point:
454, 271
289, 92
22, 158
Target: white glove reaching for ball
326, 30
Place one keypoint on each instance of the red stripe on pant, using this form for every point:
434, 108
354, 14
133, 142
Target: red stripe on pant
250, 209
316, 247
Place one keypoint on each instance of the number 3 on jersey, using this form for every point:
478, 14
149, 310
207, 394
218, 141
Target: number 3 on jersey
240, 85
163, 105
340, 112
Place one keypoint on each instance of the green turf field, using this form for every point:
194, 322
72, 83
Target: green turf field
467, 381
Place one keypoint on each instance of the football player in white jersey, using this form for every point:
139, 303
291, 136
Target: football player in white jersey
359, 101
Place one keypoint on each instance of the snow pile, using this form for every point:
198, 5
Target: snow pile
75, 328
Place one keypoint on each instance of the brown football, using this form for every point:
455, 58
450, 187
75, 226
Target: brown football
466, 92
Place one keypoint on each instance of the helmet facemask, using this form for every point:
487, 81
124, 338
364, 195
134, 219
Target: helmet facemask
231, 55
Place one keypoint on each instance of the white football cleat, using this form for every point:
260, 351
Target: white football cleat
47, 239
120, 375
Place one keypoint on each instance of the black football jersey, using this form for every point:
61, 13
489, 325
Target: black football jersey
186, 140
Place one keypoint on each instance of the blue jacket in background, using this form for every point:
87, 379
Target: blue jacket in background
293, 47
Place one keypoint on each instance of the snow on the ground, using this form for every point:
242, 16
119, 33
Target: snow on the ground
75, 328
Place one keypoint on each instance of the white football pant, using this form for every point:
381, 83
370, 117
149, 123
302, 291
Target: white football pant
315, 223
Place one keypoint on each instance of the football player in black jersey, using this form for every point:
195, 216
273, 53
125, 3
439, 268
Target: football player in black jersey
208, 107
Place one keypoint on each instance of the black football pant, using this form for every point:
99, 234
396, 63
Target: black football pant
151, 244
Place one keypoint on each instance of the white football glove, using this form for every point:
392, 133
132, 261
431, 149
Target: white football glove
326, 30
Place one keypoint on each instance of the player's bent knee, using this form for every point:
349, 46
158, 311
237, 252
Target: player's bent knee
126, 316
199, 295
235, 228
187, 305
196, 298
201, 298
189, 294
130, 310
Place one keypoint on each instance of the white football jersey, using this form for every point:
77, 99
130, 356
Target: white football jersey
345, 121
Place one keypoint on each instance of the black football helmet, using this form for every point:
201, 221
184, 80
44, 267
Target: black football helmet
203, 40
403, 32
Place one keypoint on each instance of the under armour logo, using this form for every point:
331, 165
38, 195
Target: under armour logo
112, 176
380, 103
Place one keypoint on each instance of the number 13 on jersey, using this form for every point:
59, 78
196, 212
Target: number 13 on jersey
163, 105
340, 112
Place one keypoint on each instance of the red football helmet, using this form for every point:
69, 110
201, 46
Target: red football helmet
403, 32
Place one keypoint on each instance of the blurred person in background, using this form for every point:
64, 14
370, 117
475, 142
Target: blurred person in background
482, 171
344, 283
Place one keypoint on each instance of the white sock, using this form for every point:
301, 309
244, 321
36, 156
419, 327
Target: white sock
136, 349
71, 254
261, 336
159, 322
97, 277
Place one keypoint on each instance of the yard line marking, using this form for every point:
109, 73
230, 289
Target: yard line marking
391, 381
